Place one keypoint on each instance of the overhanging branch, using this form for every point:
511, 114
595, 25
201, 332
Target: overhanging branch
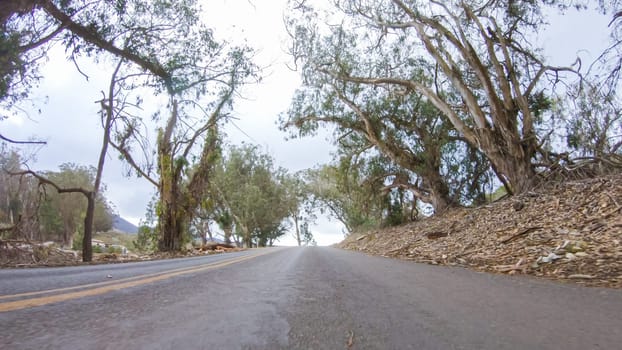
2, 137
45, 181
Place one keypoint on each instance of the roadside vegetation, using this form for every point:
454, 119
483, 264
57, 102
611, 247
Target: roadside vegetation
436, 106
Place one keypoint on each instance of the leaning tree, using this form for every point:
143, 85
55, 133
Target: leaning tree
483, 75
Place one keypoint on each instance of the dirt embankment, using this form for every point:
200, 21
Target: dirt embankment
568, 231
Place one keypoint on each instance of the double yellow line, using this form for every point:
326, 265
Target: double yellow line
108, 286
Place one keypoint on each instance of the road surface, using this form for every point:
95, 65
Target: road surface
298, 298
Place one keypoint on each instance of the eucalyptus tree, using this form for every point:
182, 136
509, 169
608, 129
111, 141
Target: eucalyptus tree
85, 28
300, 204
351, 190
481, 72
406, 128
593, 122
200, 77
253, 194
593, 116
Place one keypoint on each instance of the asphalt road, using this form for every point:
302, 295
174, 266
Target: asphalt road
299, 298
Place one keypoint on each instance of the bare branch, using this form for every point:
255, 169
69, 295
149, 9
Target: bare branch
44, 181
128, 157
2, 137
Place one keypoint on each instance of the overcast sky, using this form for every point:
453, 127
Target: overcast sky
70, 124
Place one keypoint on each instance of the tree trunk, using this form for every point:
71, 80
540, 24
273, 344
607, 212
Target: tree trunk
171, 216
209, 233
248, 241
228, 230
247, 237
69, 229
297, 230
437, 187
87, 247
519, 174
510, 159
170, 219
439, 196
237, 241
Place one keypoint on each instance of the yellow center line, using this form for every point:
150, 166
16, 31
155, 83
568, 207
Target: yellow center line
110, 286
83, 286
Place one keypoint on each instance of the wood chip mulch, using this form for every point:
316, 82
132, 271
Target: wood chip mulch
570, 231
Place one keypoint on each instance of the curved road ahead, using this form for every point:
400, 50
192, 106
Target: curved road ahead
298, 298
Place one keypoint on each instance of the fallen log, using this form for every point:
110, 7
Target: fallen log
216, 245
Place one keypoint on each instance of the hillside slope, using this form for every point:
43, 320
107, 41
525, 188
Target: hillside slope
568, 231
122, 225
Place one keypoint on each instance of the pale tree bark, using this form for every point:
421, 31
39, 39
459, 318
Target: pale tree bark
481, 65
427, 167
297, 232
432, 189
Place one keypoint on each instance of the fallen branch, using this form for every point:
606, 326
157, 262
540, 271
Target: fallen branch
581, 276
216, 245
508, 268
523, 232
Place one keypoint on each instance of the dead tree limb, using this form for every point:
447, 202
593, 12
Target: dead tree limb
4, 138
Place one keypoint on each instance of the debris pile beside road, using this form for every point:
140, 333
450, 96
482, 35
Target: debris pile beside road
568, 231
191, 250
21, 253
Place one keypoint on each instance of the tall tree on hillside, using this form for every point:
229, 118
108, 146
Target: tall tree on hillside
485, 79
594, 122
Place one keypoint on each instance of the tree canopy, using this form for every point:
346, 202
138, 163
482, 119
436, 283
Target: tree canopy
253, 193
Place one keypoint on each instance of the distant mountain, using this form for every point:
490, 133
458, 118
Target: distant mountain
122, 225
